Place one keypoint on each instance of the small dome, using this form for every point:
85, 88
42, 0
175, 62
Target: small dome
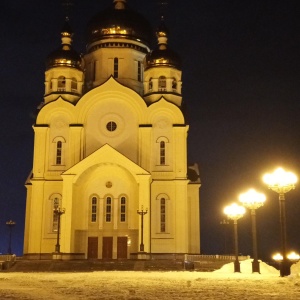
65, 56
162, 56
119, 22
165, 57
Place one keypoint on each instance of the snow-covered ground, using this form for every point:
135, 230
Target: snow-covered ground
120, 285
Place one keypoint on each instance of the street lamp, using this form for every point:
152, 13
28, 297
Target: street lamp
224, 223
10, 225
253, 200
293, 256
58, 211
282, 182
235, 212
142, 213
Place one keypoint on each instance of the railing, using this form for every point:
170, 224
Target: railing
195, 257
6, 261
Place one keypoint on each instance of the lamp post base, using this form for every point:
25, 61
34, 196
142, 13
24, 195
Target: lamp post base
255, 266
237, 267
285, 268
142, 248
57, 248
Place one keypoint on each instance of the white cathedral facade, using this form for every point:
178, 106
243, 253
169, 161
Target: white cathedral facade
110, 142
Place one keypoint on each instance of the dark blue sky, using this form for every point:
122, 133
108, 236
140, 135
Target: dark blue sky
241, 87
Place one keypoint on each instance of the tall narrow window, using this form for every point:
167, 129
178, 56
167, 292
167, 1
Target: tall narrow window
61, 84
174, 85
74, 85
162, 83
162, 215
162, 153
108, 209
123, 209
150, 84
116, 67
139, 71
94, 209
55, 205
94, 70
58, 152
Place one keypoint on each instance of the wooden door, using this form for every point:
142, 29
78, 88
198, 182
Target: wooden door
122, 247
107, 247
92, 247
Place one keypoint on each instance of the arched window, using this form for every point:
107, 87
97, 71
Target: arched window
162, 146
74, 85
94, 204
162, 151
58, 152
61, 84
123, 209
150, 84
116, 67
108, 209
162, 215
162, 83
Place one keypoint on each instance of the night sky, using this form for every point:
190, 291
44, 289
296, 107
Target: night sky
241, 88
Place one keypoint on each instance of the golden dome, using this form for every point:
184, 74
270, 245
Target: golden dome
119, 22
65, 55
162, 56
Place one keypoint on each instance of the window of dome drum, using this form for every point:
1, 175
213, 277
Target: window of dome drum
111, 126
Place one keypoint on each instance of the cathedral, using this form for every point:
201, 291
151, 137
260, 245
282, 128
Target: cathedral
110, 176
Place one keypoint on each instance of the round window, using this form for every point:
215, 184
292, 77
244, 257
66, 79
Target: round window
111, 126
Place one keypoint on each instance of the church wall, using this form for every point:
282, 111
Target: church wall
124, 138
40, 148
101, 182
70, 92
27, 227
171, 237
101, 65
180, 150
194, 218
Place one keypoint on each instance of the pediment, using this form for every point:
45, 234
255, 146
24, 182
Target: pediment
104, 156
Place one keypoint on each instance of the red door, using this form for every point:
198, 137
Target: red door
122, 247
92, 247
107, 247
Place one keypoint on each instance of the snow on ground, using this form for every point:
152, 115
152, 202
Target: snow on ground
222, 284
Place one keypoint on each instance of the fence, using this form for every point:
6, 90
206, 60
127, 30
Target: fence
196, 257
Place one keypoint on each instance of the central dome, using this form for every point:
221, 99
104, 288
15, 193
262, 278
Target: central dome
119, 22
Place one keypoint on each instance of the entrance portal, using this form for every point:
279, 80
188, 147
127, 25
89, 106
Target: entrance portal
107, 247
122, 247
92, 247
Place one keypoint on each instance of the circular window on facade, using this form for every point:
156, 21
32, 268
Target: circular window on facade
111, 126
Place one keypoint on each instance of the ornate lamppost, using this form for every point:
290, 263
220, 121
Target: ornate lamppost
235, 212
224, 223
282, 182
253, 200
10, 225
142, 213
58, 211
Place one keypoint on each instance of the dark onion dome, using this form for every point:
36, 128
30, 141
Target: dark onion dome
162, 56
165, 57
65, 56
119, 22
